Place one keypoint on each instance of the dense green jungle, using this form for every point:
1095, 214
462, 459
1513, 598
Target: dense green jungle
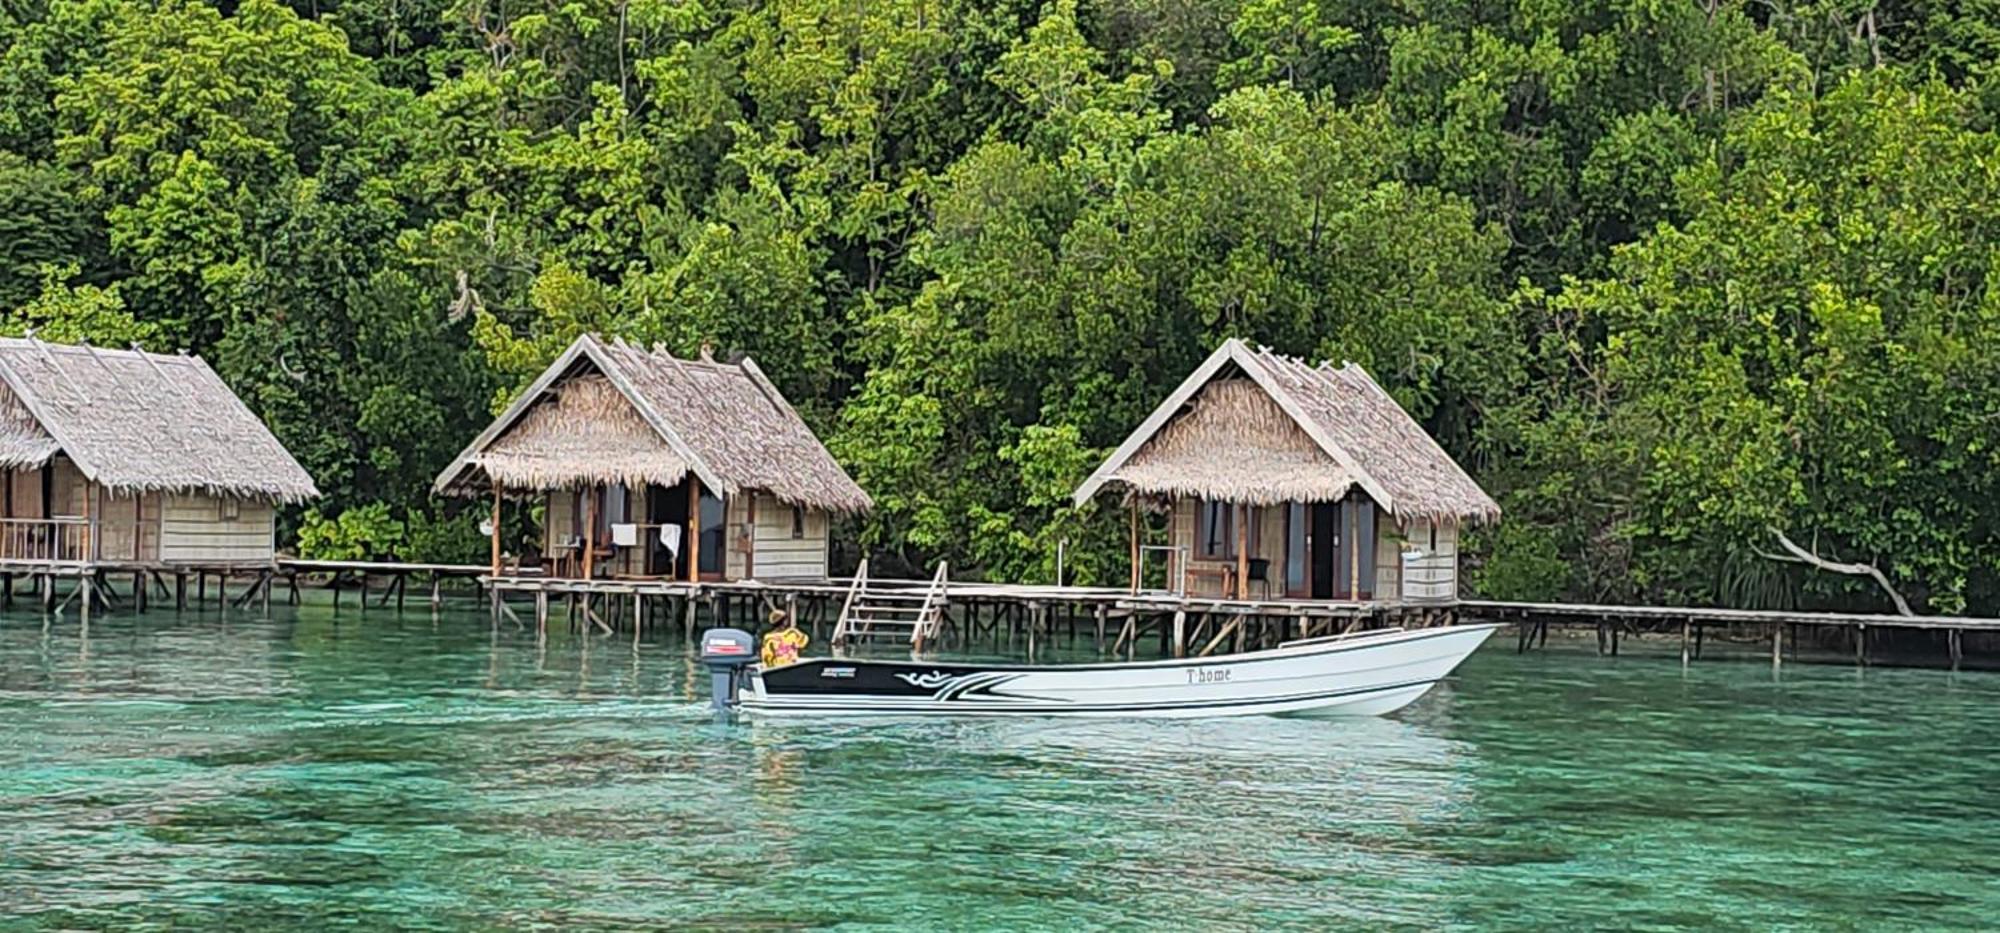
1679, 282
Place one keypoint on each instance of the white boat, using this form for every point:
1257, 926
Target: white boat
1363, 674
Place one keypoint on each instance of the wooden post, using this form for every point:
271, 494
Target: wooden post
1242, 551
1135, 546
1777, 644
1684, 642
590, 497
496, 529
89, 524
694, 528
1180, 633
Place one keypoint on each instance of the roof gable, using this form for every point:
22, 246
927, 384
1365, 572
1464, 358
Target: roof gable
1374, 442
725, 422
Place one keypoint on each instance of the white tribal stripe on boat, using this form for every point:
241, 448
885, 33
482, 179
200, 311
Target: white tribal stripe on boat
1364, 674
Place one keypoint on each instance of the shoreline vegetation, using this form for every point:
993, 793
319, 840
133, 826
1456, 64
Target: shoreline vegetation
1703, 294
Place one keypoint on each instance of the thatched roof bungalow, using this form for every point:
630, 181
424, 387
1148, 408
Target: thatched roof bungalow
128, 456
625, 444
1283, 478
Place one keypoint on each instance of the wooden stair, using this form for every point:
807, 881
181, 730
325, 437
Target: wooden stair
874, 612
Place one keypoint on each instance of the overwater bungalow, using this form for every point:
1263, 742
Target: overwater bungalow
1280, 479
651, 467
122, 458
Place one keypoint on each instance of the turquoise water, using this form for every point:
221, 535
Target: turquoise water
412, 772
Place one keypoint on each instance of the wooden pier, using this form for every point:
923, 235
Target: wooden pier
1027, 618
1858, 633
991, 618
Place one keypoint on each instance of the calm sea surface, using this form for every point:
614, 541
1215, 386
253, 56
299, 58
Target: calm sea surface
408, 772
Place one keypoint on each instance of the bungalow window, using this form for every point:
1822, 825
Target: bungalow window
798, 521
228, 509
1215, 530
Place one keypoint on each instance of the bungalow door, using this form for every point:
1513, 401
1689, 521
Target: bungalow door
666, 507
1298, 550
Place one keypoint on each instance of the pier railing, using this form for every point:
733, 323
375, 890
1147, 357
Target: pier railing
45, 540
847, 606
930, 616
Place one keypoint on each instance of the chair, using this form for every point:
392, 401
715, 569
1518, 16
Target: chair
1260, 573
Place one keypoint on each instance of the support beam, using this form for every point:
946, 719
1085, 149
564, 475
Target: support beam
694, 529
590, 497
496, 529
1242, 551
1136, 581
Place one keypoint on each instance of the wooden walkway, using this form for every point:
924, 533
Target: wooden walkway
1005, 615
1858, 630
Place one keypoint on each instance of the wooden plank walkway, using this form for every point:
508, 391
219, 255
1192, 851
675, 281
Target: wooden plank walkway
1593, 612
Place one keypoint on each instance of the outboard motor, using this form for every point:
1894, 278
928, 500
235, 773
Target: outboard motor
726, 652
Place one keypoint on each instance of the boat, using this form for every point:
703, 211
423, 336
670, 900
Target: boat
1364, 673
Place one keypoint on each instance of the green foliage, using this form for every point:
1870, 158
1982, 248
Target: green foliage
1665, 276
65, 313
366, 532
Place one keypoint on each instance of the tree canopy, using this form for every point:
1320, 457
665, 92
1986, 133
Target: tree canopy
1674, 281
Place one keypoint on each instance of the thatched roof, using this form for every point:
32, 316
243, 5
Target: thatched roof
582, 430
616, 413
139, 422
1253, 426
1230, 423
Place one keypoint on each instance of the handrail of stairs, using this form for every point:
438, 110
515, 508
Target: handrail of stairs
931, 614
847, 607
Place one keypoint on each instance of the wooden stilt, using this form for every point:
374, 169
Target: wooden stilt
1180, 633
1777, 645
1685, 624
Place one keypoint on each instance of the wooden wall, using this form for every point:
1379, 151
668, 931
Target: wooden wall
1270, 544
757, 534
193, 530
129, 526
1267, 542
779, 555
